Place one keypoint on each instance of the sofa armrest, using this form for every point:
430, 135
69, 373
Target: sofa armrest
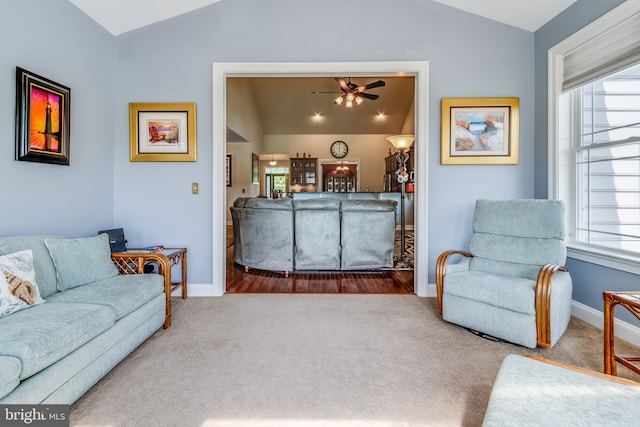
584, 370
133, 263
441, 269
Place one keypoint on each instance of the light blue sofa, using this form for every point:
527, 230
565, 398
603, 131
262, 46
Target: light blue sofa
313, 234
91, 319
543, 392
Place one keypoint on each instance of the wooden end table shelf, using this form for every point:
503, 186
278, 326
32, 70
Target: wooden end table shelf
133, 260
631, 301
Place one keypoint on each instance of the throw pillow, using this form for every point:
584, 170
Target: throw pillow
18, 287
81, 261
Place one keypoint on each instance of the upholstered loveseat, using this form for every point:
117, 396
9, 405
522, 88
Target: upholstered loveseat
536, 391
69, 317
313, 234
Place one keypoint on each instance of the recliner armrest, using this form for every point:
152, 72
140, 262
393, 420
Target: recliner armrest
441, 269
543, 302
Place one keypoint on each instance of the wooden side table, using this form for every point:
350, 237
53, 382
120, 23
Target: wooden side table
133, 261
631, 301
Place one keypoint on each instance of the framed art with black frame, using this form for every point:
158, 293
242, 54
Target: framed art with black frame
42, 119
255, 169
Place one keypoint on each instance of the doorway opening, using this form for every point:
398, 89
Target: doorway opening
221, 71
276, 185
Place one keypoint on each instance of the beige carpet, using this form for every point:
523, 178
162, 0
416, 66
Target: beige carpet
312, 360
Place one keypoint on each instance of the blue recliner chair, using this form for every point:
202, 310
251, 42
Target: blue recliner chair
511, 284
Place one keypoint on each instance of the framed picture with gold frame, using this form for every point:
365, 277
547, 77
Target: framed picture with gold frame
162, 132
480, 131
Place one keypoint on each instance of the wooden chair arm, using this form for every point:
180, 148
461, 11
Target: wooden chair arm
584, 370
543, 303
441, 267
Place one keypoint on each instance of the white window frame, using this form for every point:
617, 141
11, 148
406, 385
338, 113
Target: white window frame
561, 164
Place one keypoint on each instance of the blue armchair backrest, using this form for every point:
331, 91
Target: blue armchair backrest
517, 237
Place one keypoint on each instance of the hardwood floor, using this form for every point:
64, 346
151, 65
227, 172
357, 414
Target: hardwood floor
260, 281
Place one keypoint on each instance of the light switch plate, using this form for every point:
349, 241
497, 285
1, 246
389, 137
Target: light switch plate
195, 188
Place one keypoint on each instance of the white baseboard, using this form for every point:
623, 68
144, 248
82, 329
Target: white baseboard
195, 290
622, 329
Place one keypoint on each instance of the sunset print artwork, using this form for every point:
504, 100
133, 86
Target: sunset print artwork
42, 122
45, 120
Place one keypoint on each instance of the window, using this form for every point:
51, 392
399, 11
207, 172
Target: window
607, 161
594, 138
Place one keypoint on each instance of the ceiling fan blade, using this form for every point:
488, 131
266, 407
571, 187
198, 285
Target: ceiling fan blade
343, 85
368, 95
373, 85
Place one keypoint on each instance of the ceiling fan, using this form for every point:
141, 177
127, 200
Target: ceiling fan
351, 92
354, 93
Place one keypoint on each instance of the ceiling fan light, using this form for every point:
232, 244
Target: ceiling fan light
359, 100
339, 100
350, 97
349, 103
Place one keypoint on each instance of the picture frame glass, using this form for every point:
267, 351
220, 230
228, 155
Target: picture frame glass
480, 131
162, 132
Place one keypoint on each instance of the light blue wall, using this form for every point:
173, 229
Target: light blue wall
54, 39
589, 279
172, 61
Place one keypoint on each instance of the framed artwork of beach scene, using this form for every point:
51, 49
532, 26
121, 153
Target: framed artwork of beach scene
479, 131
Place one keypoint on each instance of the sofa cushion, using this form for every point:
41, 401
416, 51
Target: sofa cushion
47, 332
123, 294
18, 285
9, 374
81, 261
42, 262
508, 292
262, 203
367, 234
529, 392
317, 234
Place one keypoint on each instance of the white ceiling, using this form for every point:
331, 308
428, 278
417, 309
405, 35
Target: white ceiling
305, 105
120, 16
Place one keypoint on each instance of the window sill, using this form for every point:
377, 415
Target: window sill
606, 258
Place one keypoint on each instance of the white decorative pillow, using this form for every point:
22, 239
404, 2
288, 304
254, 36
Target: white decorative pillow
18, 287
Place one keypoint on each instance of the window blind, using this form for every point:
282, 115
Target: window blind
605, 54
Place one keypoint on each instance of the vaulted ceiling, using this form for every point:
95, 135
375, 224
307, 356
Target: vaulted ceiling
303, 105
120, 16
